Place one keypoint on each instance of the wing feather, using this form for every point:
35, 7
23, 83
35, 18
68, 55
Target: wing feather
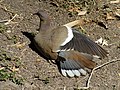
83, 44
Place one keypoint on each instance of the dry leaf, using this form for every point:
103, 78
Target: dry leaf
109, 17
73, 9
14, 69
1, 68
118, 25
38, 60
102, 42
82, 12
115, 1
119, 74
20, 45
117, 14
99, 41
8, 31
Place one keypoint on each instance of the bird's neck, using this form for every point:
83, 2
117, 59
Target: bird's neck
44, 25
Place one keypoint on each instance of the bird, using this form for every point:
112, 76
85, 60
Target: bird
72, 49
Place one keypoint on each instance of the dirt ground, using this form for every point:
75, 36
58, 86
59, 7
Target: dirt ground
21, 68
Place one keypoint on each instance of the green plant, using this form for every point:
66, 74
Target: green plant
8, 68
7, 75
2, 28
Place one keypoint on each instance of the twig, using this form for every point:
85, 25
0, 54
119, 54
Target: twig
10, 20
3, 21
4, 8
114, 60
88, 81
74, 23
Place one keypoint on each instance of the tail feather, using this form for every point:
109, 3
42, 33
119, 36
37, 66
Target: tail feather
73, 63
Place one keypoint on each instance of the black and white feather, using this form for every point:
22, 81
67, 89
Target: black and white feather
69, 67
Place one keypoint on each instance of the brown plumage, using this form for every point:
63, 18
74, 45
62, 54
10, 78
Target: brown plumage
72, 49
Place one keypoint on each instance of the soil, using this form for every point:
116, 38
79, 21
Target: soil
32, 71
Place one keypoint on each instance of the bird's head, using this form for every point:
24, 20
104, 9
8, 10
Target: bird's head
42, 15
